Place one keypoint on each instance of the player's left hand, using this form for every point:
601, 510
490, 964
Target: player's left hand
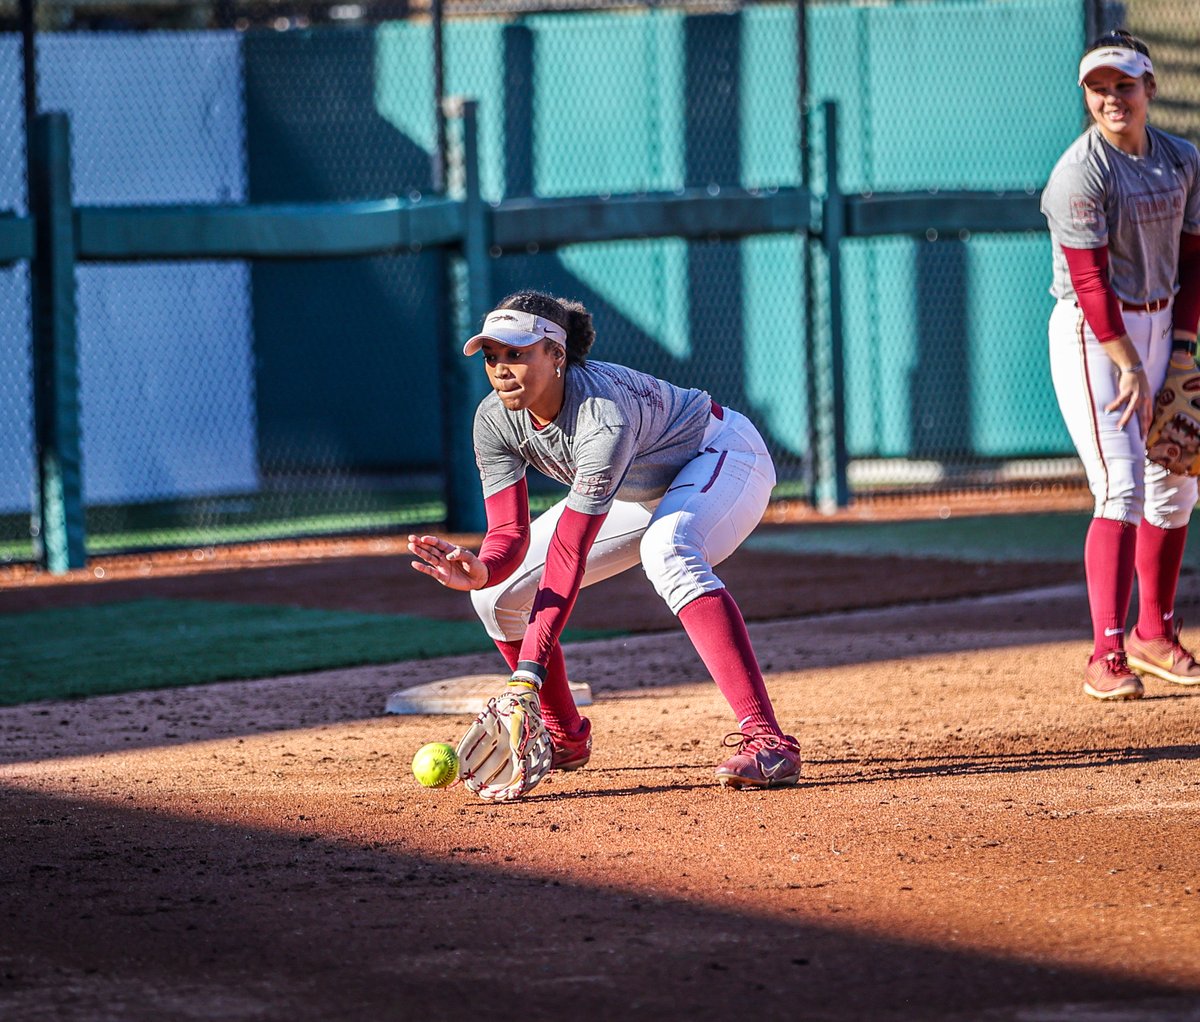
1174, 438
507, 750
453, 566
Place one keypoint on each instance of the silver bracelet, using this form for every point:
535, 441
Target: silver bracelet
1135, 368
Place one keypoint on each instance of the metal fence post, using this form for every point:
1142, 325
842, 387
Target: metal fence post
1094, 18
806, 268
60, 517
466, 383
835, 487
438, 167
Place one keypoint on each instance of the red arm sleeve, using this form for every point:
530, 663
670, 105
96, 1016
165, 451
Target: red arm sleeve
1089, 277
507, 536
565, 561
1187, 302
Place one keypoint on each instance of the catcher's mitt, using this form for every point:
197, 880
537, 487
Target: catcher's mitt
507, 750
1173, 439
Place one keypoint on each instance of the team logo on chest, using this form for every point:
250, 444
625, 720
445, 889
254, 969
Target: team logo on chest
1150, 207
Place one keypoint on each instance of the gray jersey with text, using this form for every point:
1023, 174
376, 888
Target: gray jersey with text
1137, 206
620, 434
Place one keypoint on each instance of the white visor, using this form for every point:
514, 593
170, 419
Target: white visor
1125, 60
516, 329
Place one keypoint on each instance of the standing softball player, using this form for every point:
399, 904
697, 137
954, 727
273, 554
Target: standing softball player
658, 474
1123, 205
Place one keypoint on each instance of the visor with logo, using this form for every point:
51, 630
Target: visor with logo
516, 329
1125, 60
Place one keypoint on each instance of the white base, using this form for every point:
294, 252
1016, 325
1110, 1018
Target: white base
466, 694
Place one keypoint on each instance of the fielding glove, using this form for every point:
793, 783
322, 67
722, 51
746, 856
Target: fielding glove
507, 750
1173, 439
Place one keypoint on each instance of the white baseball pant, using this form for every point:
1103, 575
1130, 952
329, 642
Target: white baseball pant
712, 505
1126, 486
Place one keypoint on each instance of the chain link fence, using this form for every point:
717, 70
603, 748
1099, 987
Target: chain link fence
236, 400
17, 483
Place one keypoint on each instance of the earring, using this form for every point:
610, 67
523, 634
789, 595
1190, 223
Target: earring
558, 371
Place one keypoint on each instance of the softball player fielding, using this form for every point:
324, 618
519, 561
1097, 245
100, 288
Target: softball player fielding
658, 474
1123, 206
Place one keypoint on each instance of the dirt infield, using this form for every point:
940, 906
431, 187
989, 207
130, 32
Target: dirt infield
972, 838
373, 575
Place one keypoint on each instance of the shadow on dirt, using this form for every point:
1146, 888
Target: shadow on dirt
876, 770
870, 770
138, 915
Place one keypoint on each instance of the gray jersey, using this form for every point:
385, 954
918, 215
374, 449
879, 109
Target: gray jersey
1137, 206
620, 434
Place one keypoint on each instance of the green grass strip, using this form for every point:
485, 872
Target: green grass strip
149, 644
168, 526
1035, 537
281, 528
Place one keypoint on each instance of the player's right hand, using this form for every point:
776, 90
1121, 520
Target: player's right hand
453, 566
1135, 397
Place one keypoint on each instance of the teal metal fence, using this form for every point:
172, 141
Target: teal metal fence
269, 279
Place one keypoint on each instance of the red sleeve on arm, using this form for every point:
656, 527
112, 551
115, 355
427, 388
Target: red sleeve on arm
1100, 305
1187, 302
565, 561
507, 536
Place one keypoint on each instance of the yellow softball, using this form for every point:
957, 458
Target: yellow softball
435, 765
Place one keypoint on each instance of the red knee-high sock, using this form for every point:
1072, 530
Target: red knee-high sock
715, 625
1159, 558
1108, 558
558, 705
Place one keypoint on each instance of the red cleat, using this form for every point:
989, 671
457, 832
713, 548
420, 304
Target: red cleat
572, 751
1164, 658
1110, 678
761, 761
